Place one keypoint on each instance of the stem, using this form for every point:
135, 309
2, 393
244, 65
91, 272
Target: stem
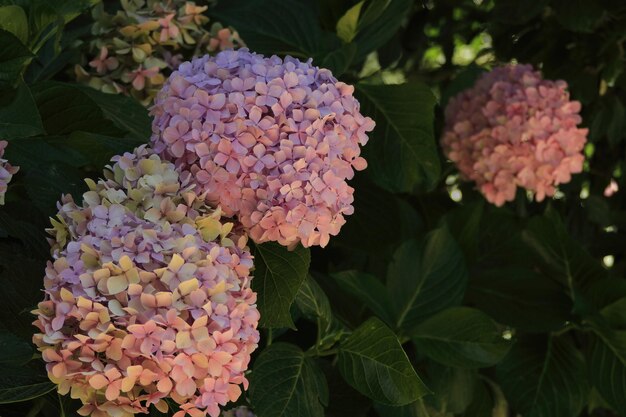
315, 352
269, 336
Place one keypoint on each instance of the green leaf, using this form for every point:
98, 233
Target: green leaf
578, 15
462, 81
22, 384
284, 27
402, 154
380, 21
373, 12
416, 409
313, 303
544, 377
125, 112
339, 60
13, 57
46, 184
347, 24
278, 275
425, 278
13, 19
367, 289
453, 388
13, 350
521, 298
94, 148
606, 360
373, 362
461, 337
564, 258
286, 383
369, 228
517, 12
464, 224
20, 118
64, 109
482, 404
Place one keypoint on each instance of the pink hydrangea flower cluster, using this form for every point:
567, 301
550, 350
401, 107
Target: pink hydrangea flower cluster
270, 141
6, 171
515, 129
148, 296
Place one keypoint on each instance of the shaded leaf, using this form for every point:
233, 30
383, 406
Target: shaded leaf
544, 377
13, 350
21, 384
425, 278
286, 383
278, 275
373, 362
13, 57
461, 337
20, 118
401, 153
313, 303
367, 289
520, 298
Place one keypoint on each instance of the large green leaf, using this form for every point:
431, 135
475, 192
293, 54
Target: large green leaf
284, 27
13, 57
313, 303
286, 383
13, 350
278, 275
564, 258
521, 298
401, 153
373, 362
20, 118
425, 278
544, 377
367, 289
461, 337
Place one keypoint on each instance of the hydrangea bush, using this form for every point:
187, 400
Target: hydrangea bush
374, 209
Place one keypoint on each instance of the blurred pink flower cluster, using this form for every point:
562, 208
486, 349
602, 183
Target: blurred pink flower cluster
148, 296
238, 412
6, 171
134, 49
515, 129
270, 141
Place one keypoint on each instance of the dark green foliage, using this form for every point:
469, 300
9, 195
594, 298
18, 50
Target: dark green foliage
424, 305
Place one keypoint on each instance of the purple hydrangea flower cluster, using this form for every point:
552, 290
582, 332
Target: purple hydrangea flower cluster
270, 141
